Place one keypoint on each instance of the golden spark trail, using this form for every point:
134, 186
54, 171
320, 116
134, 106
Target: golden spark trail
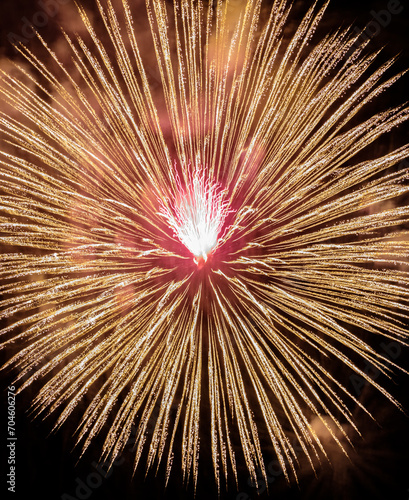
214, 243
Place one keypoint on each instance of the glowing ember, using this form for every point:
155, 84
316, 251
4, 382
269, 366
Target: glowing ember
197, 215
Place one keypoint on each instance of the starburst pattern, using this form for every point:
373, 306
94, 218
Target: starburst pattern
243, 161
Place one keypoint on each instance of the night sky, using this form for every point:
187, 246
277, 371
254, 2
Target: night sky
378, 468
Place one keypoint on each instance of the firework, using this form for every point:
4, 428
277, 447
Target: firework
211, 243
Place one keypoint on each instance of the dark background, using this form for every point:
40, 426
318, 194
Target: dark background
378, 468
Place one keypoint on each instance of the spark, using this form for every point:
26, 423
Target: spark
244, 158
198, 215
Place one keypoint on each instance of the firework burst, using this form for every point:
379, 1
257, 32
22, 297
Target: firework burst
209, 244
